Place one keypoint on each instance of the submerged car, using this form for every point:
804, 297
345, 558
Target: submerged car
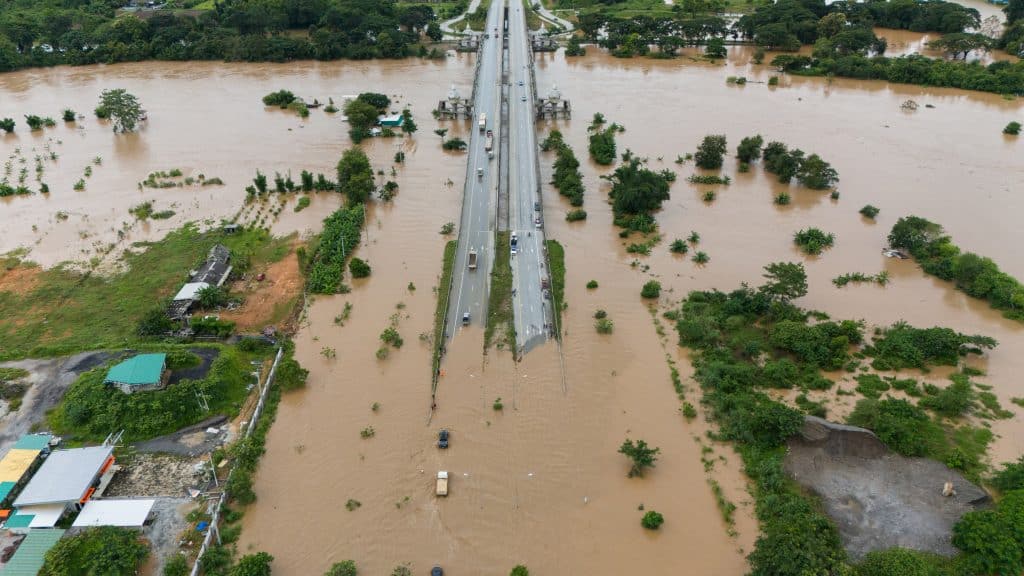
442, 438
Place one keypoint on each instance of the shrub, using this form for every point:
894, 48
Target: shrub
7, 125
281, 99
813, 240
34, 122
773, 81
257, 564
576, 215
652, 289
68, 115
497, 406
689, 411
709, 196
652, 520
782, 199
102, 112
711, 151
600, 314
454, 144
359, 268
604, 326
176, 566
701, 257
1013, 128
641, 456
1010, 477
592, 285
521, 570
869, 211
901, 562
678, 246
105, 550
343, 568
903, 427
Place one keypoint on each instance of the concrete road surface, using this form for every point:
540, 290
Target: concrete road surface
470, 287
531, 301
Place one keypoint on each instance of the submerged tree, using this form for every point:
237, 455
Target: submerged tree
785, 280
640, 454
124, 108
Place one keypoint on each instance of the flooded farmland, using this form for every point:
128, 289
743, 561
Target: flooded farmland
538, 482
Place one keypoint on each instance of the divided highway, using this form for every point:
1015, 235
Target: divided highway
470, 287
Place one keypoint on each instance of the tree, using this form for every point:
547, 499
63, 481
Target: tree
574, 48
817, 174
401, 570
786, 281
831, 24
257, 564
652, 520
155, 323
281, 99
640, 454
651, 289
434, 32
749, 149
710, 152
359, 268
361, 117
68, 115
1013, 128
961, 42
408, 125
7, 125
344, 568
1014, 11
519, 570
123, 107
715, 48
377, 100
355, 176
210, 297
987, 541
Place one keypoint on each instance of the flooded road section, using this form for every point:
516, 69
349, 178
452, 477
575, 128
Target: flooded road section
203, 118
950, 164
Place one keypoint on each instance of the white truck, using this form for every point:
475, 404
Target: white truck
483, 121
489, 141
442, 483
472, 259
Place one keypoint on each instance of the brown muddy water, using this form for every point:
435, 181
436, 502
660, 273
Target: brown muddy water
539, 482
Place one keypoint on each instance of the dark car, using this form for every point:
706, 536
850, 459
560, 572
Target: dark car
536, 206
442, 438
436, 571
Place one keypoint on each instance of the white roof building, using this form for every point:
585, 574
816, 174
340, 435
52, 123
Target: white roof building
65, 476
124, 513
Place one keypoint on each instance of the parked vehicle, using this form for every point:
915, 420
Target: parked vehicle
472, 259
442, 483
442, 438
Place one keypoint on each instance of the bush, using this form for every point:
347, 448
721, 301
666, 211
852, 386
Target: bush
1010, 477
901, 562
1013, 128
652, 289
640, 455
678, 246
358, 268
813, 240
604, 326
281, 99
576, 215
749, 149
711, 151
991, 540
344, 568
68, 115
592, 285
519, 570
602, 145
869, 211
257, 564
105, 550
454, 144
7, 125
652, 520
903, 427
176, 566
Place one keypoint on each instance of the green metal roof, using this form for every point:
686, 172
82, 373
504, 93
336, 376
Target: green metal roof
33, 442
28, 559
5, 489
19, 521
137, 371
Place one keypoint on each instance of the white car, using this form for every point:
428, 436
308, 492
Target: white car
523, 98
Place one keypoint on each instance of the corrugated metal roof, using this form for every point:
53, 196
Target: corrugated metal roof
28, 559
138, 370
19, 521
126, 513
5, 489
15, 463
33, 442
64, 476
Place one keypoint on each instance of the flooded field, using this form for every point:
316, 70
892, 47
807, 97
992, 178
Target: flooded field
538, 482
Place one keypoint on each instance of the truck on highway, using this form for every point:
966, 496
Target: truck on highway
489, 141
472, 259
442, 483
483, 121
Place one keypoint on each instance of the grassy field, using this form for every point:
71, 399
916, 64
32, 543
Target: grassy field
476, 20
556, 260
499, 307
443, 290
61, 311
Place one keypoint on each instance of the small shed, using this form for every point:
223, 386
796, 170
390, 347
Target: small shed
140, 373
124, 513
391, 120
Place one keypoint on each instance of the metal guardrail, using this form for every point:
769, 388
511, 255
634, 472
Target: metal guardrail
256, 413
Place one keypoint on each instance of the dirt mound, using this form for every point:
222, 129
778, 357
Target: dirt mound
879, 499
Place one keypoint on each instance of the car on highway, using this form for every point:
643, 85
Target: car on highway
465, 318
514, 243
520, 82
523, 98
537, 222
536, 206
442, 438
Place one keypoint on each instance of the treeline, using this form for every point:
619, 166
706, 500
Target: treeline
567, 179
976, 275
52, 32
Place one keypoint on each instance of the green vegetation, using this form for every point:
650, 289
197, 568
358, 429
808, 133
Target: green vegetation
499, 307
443, 290
904, 346
903, 562
701, 257
869, 211
447, 228
340, 236
498, 406
122, 107
576, 215
68, 115
749, 150
302, 204
709, 196
104, 550
281, 99
678, 246
813, 240
7, 125
882, 278
640, 455
95, 32
1010, 477
651, 289
1013, 128
652, 520
602, 143
711, 151
574, 48
176, 565
358, 268
567, 178
59, 314
709, 179
604, 326
976, 275
519, 570
556, 264
787, 164
454, 144
344, 568
592, 285
636, 193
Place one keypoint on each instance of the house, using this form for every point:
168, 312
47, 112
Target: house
214, 272
67, 479
391, 120
17, 465
141, 373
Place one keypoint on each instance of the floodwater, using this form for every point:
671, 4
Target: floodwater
538, 482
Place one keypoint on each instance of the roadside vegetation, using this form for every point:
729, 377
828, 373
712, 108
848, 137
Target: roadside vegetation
556, 264
443, 291
749, 341
499, 306
976, 275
